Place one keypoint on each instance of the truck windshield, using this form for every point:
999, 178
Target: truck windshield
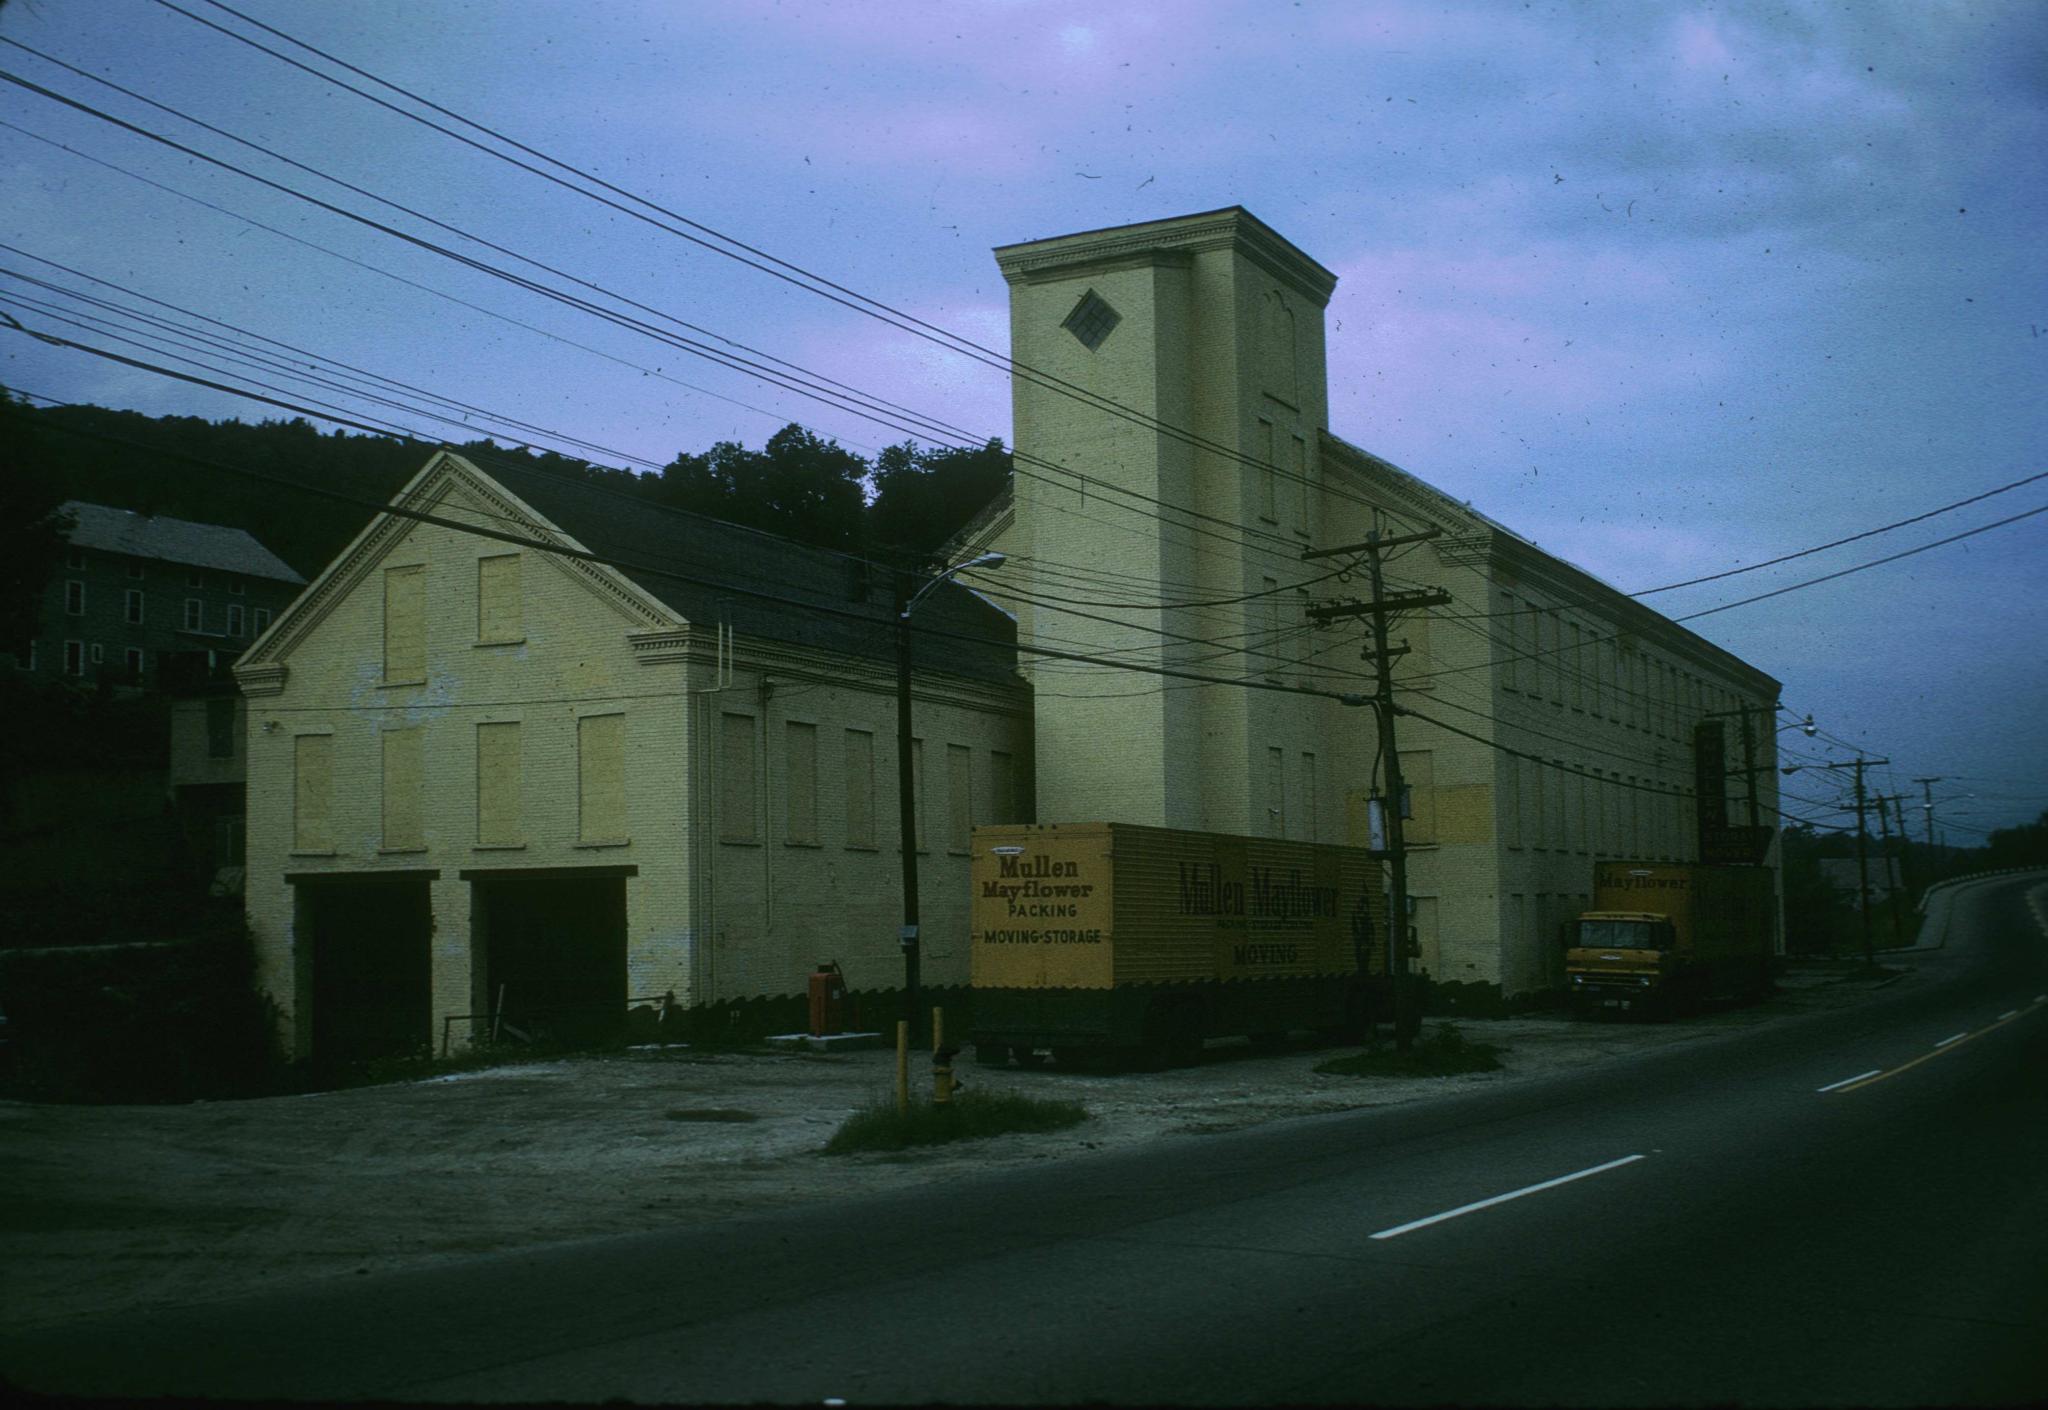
1618, 934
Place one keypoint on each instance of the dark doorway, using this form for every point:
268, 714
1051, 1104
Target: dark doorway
554, 953
372, 966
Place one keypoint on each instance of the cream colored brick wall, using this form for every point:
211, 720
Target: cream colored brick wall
705, 919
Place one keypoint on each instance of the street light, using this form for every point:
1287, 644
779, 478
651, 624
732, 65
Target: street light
906, 788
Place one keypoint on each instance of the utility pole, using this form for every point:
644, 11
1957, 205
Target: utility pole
906, 809
1907, 872
1927, 793
1407, 1014
1884, 832
1862, 853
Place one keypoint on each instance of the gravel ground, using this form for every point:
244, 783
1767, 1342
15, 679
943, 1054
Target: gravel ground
107, 1209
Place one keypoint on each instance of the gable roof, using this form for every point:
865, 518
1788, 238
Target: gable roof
703, 570
109, 530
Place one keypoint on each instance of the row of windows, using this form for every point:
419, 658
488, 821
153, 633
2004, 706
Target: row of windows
746, 801
499, 813
1304, 794
134, 609
75, 560
500, 757
500, 614
1547, 657
1606, 814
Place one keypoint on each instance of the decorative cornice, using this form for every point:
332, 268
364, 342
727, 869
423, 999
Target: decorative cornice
1168, 241
661, 645
261, 678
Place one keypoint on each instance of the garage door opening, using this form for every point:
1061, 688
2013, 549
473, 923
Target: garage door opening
372, 966
553, 956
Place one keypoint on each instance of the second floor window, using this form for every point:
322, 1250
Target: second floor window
195, 614
262, 619
74, 598
234, 619
132, 605
74, 658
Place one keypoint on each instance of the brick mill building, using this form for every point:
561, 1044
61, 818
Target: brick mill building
1174, 428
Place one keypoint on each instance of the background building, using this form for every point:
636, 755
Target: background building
1172, 431
135, 588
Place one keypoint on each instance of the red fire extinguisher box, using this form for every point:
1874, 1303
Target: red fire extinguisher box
830, 1007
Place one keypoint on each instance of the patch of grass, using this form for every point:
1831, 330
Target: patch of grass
1444, 1053
970, 1116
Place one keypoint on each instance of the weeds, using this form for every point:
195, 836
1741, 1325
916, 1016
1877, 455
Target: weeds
970, 1116
1445, 1053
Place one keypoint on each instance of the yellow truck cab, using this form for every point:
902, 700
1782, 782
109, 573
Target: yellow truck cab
1619, 958
1664, 936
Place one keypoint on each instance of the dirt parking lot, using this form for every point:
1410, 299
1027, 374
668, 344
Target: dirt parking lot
106, 1209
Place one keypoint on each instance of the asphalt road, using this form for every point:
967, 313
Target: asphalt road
1849, 1208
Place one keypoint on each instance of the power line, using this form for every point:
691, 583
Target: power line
819, 285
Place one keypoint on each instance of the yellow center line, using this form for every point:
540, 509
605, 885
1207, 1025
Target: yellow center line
1947, 1045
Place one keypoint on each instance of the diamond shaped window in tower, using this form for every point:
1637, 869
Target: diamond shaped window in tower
1092, 320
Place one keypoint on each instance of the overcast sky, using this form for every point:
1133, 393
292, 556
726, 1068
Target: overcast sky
1667, 288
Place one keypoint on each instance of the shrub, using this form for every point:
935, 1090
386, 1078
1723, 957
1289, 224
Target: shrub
1443, 1053
970, 1116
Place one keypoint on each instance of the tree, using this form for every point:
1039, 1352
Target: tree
799, 485
924, 497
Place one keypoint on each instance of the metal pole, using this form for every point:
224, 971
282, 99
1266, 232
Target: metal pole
906, 799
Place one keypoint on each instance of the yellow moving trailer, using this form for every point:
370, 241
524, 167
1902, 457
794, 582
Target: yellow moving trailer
1100, 940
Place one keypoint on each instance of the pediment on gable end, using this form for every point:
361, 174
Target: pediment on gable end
449, 492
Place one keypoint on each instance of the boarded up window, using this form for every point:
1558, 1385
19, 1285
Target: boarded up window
1418, 772
1514, 621
1001, 806
1297, 495
739, 784
800, 745
405, 624
1510, 777
916, 794
860, 788
959, 796
1268, 644
1268, 496
313, 793
601, 779
404, 753
497, 784
499, 615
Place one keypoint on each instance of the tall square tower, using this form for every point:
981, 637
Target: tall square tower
1170, 396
